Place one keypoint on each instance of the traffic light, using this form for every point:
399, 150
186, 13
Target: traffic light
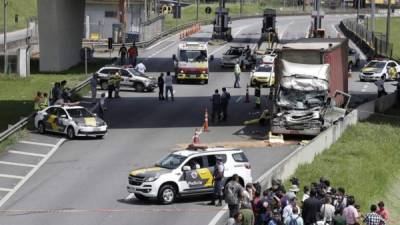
176, 11
110, 43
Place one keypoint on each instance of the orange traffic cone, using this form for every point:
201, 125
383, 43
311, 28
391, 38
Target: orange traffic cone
196, 137
247, 100
205, 126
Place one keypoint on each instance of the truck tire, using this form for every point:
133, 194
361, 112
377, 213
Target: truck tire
167, 194
139, 87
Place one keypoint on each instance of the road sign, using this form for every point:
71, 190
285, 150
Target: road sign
110, 43
176, 11
208, 10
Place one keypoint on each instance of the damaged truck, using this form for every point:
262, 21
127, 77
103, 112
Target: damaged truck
309, 95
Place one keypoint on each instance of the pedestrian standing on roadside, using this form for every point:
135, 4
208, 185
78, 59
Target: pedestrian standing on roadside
141, 67
311, 208
168, 86
45, 101
117, 84
382, 211
56, 92
225, 98
110, 86
373, 218
257, 95
122, 53
236, 219
237, 72
216, 106
37, 101
133, 54
93, 86
295, 218
218, 176
102, 105
327, 210
381, 87
306, 193
350, 212
160, 82
233, 191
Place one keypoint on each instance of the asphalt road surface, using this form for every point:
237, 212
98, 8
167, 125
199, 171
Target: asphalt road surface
84, 181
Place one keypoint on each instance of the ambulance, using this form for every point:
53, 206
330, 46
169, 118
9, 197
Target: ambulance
191, 62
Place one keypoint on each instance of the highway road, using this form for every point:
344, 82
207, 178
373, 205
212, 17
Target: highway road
84, 181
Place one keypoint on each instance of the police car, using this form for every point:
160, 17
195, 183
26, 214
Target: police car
70, 120
378, 69
187, 173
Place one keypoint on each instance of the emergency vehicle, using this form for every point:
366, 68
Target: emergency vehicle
187, 173
191, 62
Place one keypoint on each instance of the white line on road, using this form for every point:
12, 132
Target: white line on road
308, 31
36, 143
27, 153
129, 196
160, 42
239, 99
11, 176
217, 50
240, 30
158, 52
284, 30
364, 89
236, 34
16, 164
30, 174
6, 189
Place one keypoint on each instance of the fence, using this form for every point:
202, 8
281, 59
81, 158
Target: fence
376, 41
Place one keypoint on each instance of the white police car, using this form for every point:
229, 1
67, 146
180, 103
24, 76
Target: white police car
70, 120
187, 173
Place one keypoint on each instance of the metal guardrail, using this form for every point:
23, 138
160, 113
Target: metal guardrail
24, 121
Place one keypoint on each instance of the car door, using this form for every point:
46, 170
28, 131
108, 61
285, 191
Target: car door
63, 119
125, 76
199, 176
212, 161
50, 119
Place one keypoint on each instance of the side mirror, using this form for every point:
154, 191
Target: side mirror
94, 114
186, 168
173, 57
211, 57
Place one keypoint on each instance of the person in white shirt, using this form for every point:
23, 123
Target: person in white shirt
168, 86
306, 194
288, 210
294, 216
141, 68
327, 210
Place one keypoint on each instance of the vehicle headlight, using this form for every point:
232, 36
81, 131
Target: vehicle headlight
182, 71
150, 179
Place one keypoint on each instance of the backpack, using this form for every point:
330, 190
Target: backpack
293, 221
229, 194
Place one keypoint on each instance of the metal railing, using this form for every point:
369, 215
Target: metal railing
24, 121
375, 40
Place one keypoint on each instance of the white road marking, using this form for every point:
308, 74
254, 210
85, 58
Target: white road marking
6, 189
130, 196
364, 89
158, 52
16, 164
217, 217
36, 143
234, 35
11, 176
217, 50
284, 30
30, 174
160, 42
308, 31
239, 99
27, 153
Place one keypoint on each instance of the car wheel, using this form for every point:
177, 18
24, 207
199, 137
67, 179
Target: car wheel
141, 197
139, 87
70, 133
202, 82
167, 194
149, 89
362, 80
104, 85
41, 127
206, 82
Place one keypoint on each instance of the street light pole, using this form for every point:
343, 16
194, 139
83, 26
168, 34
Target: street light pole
197, 10
5, 38
373, 15
388, 24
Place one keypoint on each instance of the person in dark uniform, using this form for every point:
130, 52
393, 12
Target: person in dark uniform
218, 176
160, 82
216, 106
257, 95
225, 97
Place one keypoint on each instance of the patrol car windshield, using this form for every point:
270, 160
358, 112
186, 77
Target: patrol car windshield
136, 73
193, 55
171, 162
264, 69
375, 64
79, 113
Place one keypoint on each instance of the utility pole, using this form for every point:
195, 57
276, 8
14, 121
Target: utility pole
358, 10
388, 24
197, 10
5, 38
240, 7
373, 15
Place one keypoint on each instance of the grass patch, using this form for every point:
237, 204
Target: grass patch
189, 12
363, 160
380, 26
25, 9
12, 139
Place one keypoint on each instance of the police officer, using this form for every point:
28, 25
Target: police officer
218, 176
117, 83
216, 106
110, 86
257, 95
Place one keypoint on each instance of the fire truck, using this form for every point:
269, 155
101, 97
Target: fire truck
191, 62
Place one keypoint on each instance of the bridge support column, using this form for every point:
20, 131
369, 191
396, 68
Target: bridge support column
60, 33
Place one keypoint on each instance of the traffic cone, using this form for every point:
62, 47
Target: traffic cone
247, 100
205, 126
196, 137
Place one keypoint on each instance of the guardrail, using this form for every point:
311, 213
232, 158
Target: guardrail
24, 121
181, 27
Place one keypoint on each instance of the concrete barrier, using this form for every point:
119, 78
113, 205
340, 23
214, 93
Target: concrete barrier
306, 154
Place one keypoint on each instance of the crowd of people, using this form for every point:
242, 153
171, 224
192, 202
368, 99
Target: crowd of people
320, 204
60, 95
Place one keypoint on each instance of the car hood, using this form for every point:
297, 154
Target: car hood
371, 70
262, 74
89, 121
149, 171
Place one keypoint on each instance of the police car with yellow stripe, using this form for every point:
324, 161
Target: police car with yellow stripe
187, 173
70, 120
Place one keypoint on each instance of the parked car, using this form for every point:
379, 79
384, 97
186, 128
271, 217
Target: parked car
237, 54
264, 74
378, 69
